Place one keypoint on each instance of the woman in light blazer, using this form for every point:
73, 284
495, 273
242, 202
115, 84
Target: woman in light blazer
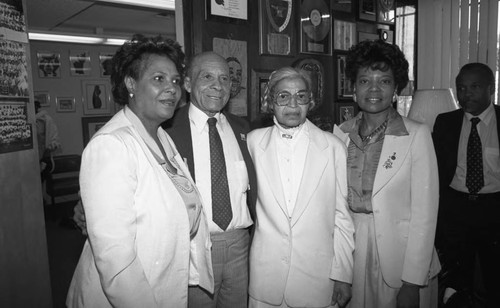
393, 186
147, 234
301, 253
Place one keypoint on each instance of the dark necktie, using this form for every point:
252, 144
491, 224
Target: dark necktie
474, 179
221, 203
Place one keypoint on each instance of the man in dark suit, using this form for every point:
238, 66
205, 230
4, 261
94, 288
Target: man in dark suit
209, 85
467, 149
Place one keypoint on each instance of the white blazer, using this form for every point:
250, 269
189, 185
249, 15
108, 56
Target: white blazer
405, 205
138, 250
296, 258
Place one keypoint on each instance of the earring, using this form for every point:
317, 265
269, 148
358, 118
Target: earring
131, 95
354, 97
394, 97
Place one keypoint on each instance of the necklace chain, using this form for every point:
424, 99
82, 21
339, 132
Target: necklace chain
373, 133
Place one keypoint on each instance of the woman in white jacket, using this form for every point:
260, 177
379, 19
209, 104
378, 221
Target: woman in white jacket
393, 186
147, 234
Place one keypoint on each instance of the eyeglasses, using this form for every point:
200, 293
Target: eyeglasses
283, 98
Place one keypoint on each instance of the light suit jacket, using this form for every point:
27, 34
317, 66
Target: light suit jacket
405, 204
138, 250
296, 258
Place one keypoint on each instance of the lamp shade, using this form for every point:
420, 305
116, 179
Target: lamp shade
427, 104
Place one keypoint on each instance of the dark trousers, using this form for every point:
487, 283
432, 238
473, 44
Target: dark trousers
469, 228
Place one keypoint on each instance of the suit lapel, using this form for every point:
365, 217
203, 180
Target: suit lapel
179, 129
314, 167
394, 152
497, 111
270, 167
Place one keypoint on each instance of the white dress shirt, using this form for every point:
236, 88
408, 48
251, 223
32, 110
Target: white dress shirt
292, 145
237, 174
487, 129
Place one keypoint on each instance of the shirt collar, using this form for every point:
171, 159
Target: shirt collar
199, 118
395, 124
485, 116
288, 133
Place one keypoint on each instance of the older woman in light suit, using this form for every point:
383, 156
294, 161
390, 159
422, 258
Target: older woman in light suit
393, 186
301, 253
148, 236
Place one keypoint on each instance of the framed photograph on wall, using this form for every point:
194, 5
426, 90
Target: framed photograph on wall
235, 53
316, 72
43, 97
277, 27
90, 125
344, 87
368, 10
105, 64
342, 5
386, 11
96, 97
258, 85
344, 34
49, 64
232, 11
345, 111
79, 62
65, 104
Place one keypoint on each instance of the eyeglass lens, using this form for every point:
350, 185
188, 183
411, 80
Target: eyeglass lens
283, 98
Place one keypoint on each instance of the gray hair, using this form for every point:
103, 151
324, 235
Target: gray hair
275, 78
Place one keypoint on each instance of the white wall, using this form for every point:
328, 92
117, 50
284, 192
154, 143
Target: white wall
69, 123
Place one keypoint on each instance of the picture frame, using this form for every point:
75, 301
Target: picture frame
49, 64
344, 34
17, 132
316, 72
386, 12
258, 84
366, 36
277, 28
90, 125
43, 97
367, 10
105, 64
344, 86
96, 97
233, 11
65, 104
345, 111
235, 53
315, 29
79, 61
341, 5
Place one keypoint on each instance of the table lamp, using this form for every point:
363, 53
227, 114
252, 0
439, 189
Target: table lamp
428, 103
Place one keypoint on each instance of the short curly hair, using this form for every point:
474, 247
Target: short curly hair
279, 75
378, 55
130, 60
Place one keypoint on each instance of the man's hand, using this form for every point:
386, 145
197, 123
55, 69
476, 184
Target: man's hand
79, 217
341, 293
408, 296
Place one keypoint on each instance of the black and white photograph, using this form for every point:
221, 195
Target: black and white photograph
13, 69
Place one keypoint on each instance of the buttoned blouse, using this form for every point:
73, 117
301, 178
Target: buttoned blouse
363, 158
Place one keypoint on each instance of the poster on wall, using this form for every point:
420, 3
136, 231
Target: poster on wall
16, 133
13, 69
105, 64
230, 8
49, 64
79, 62
235, 53
12, 23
